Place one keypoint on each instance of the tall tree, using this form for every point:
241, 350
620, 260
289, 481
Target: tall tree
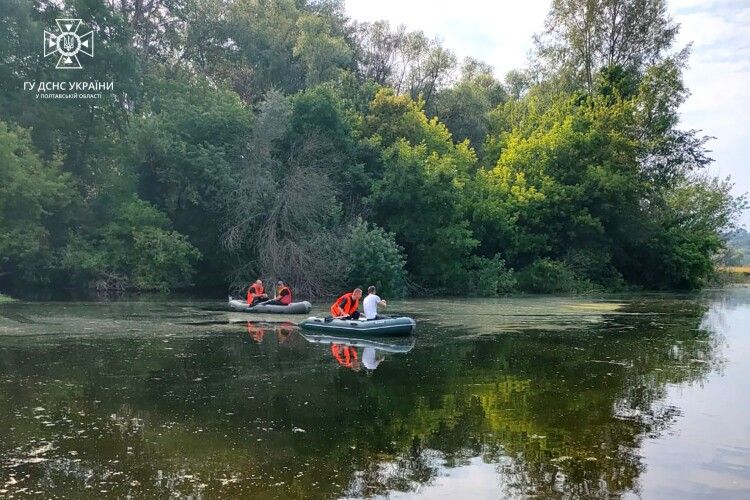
464, 106
583, 36
408, 61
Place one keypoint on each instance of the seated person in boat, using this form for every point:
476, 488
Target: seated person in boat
255, 293
346, 306
371, 303
283, 296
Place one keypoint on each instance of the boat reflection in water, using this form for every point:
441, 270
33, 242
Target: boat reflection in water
358, 353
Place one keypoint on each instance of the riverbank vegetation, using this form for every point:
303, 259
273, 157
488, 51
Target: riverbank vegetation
281, 139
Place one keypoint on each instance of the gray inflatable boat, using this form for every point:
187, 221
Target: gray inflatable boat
293, 308
386, 327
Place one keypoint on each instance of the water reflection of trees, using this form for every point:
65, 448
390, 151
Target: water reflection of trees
570, 411
559, 413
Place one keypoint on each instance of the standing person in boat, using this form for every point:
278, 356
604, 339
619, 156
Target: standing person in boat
283, 296
255, 293
346, 306
371, 303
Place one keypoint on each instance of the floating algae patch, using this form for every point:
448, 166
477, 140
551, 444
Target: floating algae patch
515, 314
103, 318
186, 318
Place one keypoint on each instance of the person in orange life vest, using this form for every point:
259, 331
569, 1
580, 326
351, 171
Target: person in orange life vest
346, 356
346, 306
283, 296
255, 293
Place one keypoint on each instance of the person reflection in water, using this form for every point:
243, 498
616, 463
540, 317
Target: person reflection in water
284, 331
371, 358
255, 332
346, 356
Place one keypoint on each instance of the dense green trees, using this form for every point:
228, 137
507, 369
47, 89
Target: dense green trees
278, 138
372, 256
186, 147
135, 248
32, 191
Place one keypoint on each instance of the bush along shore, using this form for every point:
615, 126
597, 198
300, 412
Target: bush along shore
281, 139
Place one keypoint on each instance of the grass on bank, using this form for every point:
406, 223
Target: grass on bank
745, 270
733, 275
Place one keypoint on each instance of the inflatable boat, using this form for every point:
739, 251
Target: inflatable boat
385, 327
293, 308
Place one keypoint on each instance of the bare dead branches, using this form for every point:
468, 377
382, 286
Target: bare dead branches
284, 207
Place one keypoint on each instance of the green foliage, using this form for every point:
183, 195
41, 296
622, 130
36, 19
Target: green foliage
186, 152
558, 186
582, 36
319, 121
676, 258
244, 136
136, 249
465, 106
264, 33
372, 257
77, 132
167, 259
187, 142
322, 53
738, 248
546, 276
485, 277
595, 268
419, 199
33, 194
395, 117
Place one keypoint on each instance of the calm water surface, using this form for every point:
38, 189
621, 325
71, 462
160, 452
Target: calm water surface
633, 396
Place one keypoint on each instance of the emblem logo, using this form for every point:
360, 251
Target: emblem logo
68, 43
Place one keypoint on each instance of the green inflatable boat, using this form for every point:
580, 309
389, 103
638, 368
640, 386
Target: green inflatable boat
386, 327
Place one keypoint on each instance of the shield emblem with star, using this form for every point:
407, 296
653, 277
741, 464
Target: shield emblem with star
68, 43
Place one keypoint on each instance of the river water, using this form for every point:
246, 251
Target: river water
617, 396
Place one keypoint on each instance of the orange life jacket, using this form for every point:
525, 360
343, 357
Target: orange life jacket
252, 291
345, 305
345, 356
285, 299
